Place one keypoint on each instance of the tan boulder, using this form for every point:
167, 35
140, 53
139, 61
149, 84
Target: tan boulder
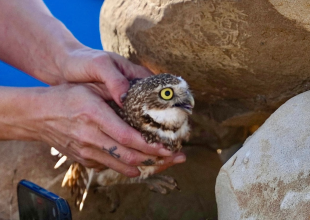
243, 59
268, 178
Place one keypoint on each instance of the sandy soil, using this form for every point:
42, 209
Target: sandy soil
195, 201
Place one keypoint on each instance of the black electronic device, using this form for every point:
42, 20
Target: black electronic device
36, 203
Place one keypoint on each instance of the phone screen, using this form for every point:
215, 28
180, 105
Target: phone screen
34, 207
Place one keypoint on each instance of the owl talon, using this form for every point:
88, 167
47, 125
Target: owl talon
158, 189
161, 184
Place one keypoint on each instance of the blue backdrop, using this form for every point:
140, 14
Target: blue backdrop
80, 16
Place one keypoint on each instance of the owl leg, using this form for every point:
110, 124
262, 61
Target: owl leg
161, 184
112, 196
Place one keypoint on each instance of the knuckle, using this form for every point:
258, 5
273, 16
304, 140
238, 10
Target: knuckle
124, 137
83, 138
86, 114
85, 153
78, 121
100, 59
119, 82
118, 85
89, 164
145, 70
130, 158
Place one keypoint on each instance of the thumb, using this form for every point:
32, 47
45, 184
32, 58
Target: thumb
116, 83
129, 69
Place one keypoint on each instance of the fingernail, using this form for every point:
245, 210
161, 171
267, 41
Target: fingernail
164, 152
179, 159
123, 97
157, 145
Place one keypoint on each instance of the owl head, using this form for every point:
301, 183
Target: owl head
165, 98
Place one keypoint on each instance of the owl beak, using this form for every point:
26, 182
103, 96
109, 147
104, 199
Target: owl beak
187, 104
191, 99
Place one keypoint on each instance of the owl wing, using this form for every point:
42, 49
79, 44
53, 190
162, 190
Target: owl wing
78, 178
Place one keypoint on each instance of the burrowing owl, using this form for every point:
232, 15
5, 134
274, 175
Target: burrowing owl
158, 107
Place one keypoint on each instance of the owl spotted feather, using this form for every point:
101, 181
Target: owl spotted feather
158, 107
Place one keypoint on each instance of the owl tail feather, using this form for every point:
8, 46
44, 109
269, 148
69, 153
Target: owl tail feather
78, 179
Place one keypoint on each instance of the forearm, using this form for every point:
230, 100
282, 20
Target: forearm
32, 40
19, 113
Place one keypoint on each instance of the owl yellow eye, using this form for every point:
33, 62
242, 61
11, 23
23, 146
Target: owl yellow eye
166, 94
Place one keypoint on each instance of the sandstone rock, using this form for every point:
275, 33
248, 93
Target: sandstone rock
268, 178
243, 59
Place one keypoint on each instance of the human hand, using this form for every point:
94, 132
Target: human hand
77, 122
112, 70
87, 65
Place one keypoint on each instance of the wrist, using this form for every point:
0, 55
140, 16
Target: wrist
20, 110
65, 46
56, 50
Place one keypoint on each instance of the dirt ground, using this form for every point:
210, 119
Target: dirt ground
196, 179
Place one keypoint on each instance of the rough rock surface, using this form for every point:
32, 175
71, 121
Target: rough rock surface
268, 178
243, 59
196, 178
24, 160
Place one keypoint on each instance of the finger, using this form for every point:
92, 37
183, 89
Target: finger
96, 138
121, 132
115, 82
129, 69
175, 158
100, 89
127, 155
111, 162
73, 151
92, 157
115, 71
100, 168
103, 69
170, 161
